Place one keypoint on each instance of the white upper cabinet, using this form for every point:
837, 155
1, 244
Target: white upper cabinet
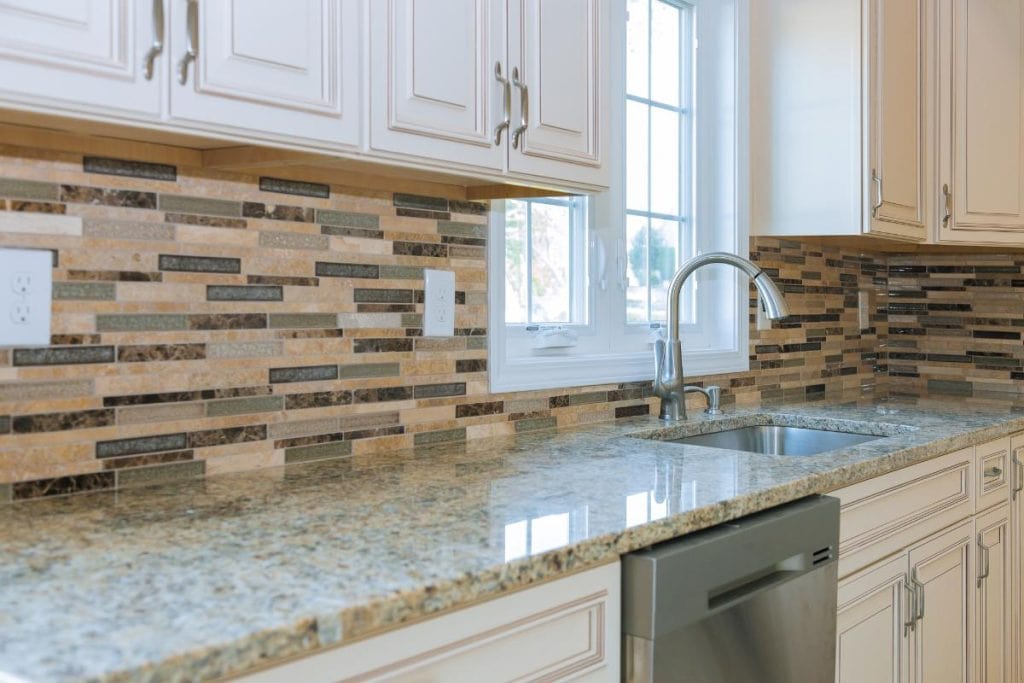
838, 125
436, 70
557, 52
981, 108
502, 86
289, 70
897, 154
104, 56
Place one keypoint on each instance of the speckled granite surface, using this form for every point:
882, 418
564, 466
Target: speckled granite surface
210, 578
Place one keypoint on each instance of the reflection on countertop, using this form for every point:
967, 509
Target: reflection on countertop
206, 578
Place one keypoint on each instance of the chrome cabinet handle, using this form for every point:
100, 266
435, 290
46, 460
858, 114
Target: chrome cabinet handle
192, 36
524, 108
877, 180
948, 197
1018, 480
911, 624
158, 39
506, 89
993, 472
918, 595
984, 559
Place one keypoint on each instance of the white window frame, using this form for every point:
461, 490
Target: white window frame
609, 351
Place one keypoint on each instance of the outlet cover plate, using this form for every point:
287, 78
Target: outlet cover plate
438, 303
26, 286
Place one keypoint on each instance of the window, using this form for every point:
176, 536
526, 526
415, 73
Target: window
581, 284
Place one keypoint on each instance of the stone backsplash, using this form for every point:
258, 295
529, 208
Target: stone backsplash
205, 322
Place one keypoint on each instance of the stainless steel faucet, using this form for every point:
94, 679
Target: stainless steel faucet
668, 354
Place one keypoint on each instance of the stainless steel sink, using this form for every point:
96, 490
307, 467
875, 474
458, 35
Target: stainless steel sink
776, 440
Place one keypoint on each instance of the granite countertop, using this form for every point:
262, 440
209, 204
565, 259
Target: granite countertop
213, 577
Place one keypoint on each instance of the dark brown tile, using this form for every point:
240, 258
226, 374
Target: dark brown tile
38, 207
471, 365
476, 409
419, 249
416, 201
147, 353
341, 231
58, 422
317, 399
474, 208
114, 276
80, 194
384, 345
382, 394
283, 280
221, 437
72, 339
632, 411
57, 486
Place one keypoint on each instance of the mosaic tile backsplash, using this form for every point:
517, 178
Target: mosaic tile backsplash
205, 323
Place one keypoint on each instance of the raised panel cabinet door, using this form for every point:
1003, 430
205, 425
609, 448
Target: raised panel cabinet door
872, 631
438, 75
896, 100
287, 70
1017, 533
985, 171
993, 604
559, 51
942, 567
82, 54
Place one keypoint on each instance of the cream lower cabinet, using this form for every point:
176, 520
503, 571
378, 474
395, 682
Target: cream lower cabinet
930, 569
1017, 556
564, 630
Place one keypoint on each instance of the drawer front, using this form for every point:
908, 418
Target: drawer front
568, 629
993, 473
883, 515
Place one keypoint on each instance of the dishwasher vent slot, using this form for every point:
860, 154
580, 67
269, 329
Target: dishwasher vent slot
823, 555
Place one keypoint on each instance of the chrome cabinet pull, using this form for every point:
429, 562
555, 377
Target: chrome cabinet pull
911, 624
158, 39
506, 89
948, 197
918, 595
192, 36
524, 108
983, 559
877, 180
1018, 480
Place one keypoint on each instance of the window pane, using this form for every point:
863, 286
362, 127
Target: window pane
515, 262
636, 47
636, 156
665, 57
664, 255
636, 269
551, 258
664, 161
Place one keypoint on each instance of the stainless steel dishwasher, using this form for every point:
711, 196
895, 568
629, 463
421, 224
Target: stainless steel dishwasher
752, 600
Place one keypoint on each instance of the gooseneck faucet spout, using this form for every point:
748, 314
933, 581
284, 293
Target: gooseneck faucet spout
668, 354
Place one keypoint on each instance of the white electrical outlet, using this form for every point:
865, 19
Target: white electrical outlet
26, 283
439, 303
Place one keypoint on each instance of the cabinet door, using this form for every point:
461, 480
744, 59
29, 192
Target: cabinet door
434, 92
1016, 578
942, 565
984, 120
896, 100
81, 54
871, 634
994, 569
287, 70
559, 48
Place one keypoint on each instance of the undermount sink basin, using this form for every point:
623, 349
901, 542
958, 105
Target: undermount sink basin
776, 440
